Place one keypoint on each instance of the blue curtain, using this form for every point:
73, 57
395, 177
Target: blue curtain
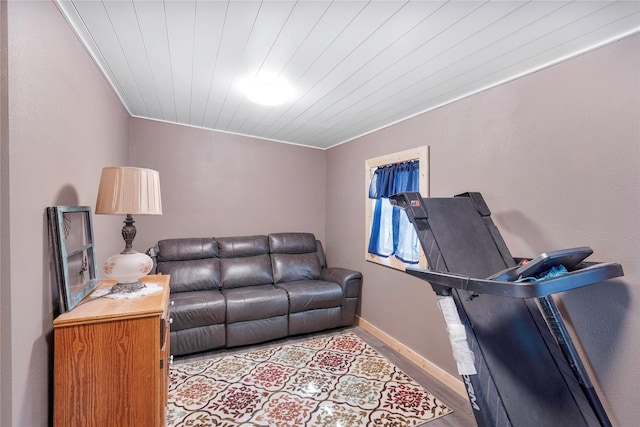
391, 231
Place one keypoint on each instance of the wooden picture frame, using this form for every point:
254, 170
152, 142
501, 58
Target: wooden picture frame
73, 253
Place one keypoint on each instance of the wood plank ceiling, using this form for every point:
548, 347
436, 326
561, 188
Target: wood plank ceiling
353, 66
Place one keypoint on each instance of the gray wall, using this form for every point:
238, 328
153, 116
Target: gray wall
557, 156
64, 124
5, 291
219, 184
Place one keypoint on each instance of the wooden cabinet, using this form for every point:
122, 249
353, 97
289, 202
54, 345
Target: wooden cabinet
111, 360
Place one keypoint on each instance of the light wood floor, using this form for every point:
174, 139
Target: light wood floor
462, 415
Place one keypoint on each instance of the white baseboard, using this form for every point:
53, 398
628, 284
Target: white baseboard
441, 375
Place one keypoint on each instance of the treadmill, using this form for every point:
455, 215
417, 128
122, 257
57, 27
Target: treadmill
513, 351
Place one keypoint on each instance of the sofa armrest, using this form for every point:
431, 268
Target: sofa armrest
349, 280
153, 253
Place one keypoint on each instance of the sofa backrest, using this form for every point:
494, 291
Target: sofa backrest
228, 262
192, 263
294, 256
244, 261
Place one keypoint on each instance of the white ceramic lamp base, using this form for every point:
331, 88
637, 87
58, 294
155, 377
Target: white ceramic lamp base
127, 269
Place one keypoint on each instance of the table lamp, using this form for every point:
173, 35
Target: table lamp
128, 191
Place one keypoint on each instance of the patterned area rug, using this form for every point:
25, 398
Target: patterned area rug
335, 381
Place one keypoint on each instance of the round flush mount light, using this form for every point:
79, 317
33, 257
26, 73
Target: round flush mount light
267, 92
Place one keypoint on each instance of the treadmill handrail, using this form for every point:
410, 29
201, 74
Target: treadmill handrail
572, 280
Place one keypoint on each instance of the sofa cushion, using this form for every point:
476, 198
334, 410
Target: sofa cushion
193, 275
255, 331
290, 267
315, 320
255, 302
245, 271
199, 339
292, 243
187, 249
312, 294
194, 309
242, 246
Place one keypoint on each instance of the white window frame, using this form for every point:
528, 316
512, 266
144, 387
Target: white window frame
422, 155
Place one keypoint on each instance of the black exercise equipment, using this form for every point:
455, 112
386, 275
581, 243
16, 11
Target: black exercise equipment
525, 370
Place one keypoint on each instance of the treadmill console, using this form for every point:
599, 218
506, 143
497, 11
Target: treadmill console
570, 258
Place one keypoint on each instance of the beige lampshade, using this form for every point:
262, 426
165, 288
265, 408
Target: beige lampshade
129, 190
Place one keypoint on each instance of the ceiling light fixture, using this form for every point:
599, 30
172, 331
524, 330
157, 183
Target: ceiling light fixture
267, 92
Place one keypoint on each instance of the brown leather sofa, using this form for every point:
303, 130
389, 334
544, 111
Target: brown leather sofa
233, 291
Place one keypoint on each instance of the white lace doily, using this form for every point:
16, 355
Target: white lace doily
150, 288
